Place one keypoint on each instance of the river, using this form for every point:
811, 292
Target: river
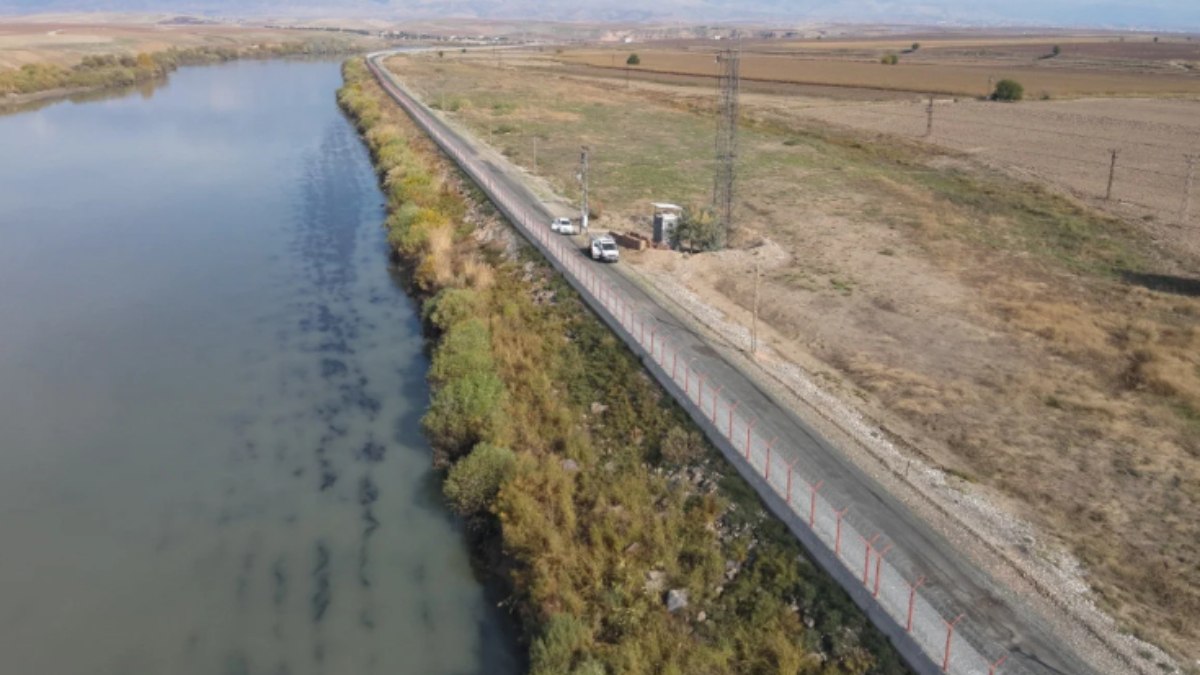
210, 392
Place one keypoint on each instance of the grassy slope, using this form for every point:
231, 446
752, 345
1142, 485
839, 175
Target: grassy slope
1108, 455
642, 496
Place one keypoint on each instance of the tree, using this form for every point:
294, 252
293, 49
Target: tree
1008, 90
916, 46
1056, 50
633, 60
698, 227
441, 54
890, 60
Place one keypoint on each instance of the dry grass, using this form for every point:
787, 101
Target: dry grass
974, 316
917, 76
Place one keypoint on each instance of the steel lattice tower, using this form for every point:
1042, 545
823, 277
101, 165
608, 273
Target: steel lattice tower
728, 84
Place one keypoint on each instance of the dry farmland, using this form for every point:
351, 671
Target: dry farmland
1002, 331
1065, 143
1083, 69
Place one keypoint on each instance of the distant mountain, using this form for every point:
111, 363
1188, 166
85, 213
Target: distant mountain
1156, 14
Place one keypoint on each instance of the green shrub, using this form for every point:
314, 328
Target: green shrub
890, 60
560, 644
474, 481
451, 306
633, 60
464, 412
681, 447
464, 349
1008, 90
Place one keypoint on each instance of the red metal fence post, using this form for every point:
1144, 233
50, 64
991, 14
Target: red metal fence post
879, 568
732, 406
812, 505
749, 428
912, 598
767, 468
714, 409
949, 633
674, 364
868, 545
837, 540
992, 668
789, 481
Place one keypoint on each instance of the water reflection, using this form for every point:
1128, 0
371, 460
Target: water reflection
145, 89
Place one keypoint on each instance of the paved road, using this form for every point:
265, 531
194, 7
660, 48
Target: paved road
995, 624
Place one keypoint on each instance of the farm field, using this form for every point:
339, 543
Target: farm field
989, 324
1083, 69
1064, 143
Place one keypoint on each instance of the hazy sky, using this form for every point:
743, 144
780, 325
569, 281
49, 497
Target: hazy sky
1159, 14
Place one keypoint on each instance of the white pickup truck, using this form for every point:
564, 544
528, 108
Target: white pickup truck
604, 248
563, 226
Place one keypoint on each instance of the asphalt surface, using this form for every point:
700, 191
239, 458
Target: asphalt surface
996, 623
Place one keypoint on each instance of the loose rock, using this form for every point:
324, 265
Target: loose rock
677, 599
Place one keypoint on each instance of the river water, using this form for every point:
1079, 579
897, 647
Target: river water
210, 392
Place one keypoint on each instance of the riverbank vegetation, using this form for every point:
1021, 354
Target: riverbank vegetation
625, 541
118, 70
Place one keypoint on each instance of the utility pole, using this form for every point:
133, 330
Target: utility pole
583, 178
929, 118
1187, 188
754, 318
1112, 172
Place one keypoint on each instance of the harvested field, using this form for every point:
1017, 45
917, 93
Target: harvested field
919, 75
981, 319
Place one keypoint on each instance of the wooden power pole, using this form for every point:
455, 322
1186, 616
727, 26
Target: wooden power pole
1112, 172
754, 317
1186, 211
929, 118
583, 179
